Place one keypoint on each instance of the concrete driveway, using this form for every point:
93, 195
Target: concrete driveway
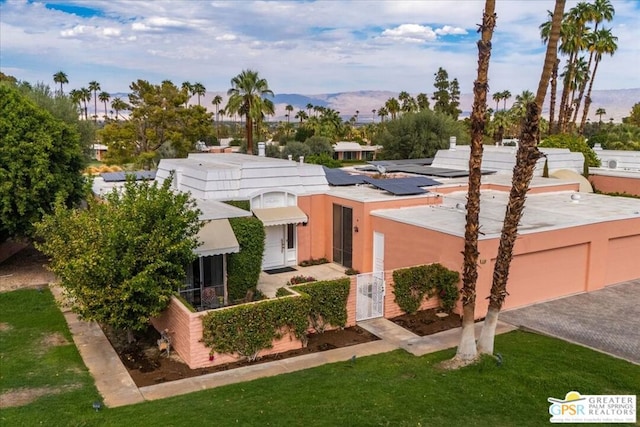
607, 320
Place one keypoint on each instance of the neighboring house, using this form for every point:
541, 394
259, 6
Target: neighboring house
344, 150
98, 151
619, 171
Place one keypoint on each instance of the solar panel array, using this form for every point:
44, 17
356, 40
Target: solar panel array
122, 176
338, 177
403, 186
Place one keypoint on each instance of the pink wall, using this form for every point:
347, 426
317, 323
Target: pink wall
546, 265
616, 184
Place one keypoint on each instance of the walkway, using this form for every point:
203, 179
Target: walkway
607, 320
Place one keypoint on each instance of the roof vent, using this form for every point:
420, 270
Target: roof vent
575, 198
613, 164
461, 206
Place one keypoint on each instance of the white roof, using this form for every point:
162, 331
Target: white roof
342, 146
619, 160
503, 159
543, 212
228, 176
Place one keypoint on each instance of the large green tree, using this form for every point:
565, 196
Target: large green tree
121, 260
41, 160
157, 118
247, 97
418, 135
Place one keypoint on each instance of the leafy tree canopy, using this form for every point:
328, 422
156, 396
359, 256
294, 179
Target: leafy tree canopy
40, 162
419, 135
320, 145
158, 117
574, 143
634, 117
121, 261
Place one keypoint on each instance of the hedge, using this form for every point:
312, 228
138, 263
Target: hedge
328, 304
243, 268
414, 283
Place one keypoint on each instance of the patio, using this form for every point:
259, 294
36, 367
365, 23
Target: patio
268, 284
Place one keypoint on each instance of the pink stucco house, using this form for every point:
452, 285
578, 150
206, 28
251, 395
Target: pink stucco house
569, 241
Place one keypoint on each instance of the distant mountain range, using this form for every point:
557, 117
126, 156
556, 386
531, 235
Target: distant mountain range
617, 103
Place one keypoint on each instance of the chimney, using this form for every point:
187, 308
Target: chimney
597, 147
290, 157
452, 143
301, 159
261, 150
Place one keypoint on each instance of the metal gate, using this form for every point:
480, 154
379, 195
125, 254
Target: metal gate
370, 295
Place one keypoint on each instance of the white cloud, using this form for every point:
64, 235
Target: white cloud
448, 29
226, 37
411, 33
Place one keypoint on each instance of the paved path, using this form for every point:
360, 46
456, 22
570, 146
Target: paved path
607, 320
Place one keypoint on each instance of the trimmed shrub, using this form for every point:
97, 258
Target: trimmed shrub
414, 283
313, 261
243, 268
249, 328
283, 292
296, 280
328, 303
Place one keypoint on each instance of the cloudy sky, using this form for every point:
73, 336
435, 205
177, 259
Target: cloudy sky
306, 47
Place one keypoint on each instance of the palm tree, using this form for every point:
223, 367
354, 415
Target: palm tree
216, 101
599, 11
289, 109
497, 96
247, 94
600, 112
605, 44
187, 88
60, 77
94, 86
467, 348
552, 96
76, 98
356, 115
392, 106
526, 159
505, 95
118, 105
423, 101
104, 98
85, 96
199, 89
383, 112
301, 115
309, 108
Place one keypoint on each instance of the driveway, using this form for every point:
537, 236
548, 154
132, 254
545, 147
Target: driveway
606, 320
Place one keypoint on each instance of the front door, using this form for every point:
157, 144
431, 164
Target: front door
274, 247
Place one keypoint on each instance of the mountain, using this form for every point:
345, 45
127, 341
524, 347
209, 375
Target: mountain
617, 103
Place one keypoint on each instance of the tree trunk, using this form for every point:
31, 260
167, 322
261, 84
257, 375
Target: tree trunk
528, 155
552, 103
564, 101
467, 347
249, 126
587, 100
130, 337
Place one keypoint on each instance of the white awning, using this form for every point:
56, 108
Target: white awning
280, 216
217, 238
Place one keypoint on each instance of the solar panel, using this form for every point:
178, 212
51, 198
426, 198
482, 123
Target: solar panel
397, 186
122, 176
338, 177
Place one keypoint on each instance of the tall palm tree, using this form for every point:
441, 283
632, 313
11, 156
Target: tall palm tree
187, 88
467, 347
61, 78
216, 101
289, 109
526, 159
76, 98
199, 89
423, 101
552, 96
392, 106
309, 108
597, 12
104, 98
605, 43
506, 95
85, 96
301, 115
118, 105
247, 94
94, 87
600, 112
497, 97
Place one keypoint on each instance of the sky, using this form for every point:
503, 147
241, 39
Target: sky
305, 47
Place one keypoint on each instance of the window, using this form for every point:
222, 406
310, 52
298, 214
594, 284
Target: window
291, 236
342, 235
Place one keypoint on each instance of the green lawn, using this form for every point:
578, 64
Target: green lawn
390, 389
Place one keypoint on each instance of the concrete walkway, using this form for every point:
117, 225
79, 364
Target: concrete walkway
607, 320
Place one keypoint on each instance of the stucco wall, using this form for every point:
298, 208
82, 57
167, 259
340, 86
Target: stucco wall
616, 184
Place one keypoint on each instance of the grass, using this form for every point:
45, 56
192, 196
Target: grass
389, 389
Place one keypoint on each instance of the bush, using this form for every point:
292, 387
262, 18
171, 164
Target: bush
312, 261
575, 144
244, 267
283, 292
295, 280
413, 284
351, 272
328, 302
249, 328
